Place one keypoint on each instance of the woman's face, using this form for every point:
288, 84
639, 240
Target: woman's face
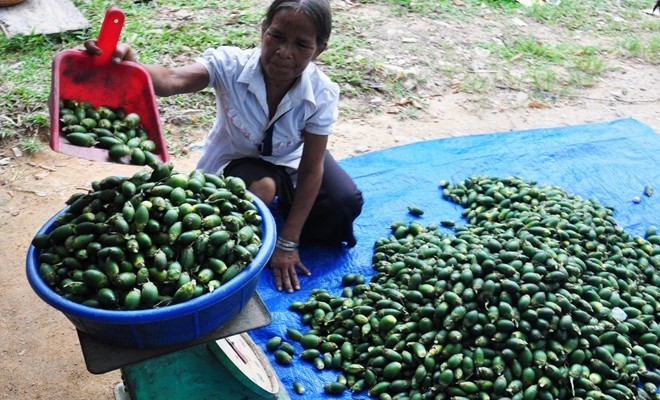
288, 46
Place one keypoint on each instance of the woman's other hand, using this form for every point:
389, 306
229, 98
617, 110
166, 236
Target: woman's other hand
284, 265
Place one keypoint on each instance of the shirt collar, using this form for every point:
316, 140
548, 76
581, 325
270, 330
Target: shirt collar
251, 74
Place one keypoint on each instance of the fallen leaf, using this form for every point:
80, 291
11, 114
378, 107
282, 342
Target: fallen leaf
536, 104
517, 56
35, 192
47, 168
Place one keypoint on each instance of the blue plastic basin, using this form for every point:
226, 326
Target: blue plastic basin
170, 325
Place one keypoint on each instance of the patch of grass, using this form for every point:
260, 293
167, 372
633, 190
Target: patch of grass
39, 119
635, 46
606, 16
31, 145
476, 83
650, 24
399, 84
631, 45
343, 64
544, 79
530, 48
426, 7
356, 109
448, 69
580, 79
591, 64
448, 9
653, 49
196, 26
551, 68
25, 79
7, 130
575, 15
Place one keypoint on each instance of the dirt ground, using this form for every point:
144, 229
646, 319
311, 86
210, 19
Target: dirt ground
39, 350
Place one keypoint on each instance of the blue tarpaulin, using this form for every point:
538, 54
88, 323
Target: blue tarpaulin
611, 162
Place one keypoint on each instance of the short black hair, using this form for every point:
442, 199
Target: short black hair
318, 10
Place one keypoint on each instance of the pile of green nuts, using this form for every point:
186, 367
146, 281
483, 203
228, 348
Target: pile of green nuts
156, 238
112, 129
540, 296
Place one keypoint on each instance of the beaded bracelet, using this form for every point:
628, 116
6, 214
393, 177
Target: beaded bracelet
286, 245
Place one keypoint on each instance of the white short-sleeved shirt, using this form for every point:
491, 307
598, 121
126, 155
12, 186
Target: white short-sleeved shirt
242, 118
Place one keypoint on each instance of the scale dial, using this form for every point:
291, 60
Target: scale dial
248, 364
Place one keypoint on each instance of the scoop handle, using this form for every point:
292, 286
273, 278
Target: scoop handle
113, 22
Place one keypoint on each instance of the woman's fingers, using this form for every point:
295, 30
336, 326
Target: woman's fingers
91, 47
122, 51
277, 273
293, 280
283, 278
286, 277
304, 269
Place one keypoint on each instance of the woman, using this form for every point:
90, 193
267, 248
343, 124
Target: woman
276, 110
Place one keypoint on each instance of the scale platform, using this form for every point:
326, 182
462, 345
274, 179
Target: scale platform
225, 364
101, 357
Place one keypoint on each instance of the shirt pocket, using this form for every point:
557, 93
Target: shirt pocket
238, 123
287, 137
286, 148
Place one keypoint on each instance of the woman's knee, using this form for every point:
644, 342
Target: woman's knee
265, 189
349, 200
351, 203
340, 189
358, 201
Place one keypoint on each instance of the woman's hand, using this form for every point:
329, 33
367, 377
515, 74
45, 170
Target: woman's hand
123, 52
284, 265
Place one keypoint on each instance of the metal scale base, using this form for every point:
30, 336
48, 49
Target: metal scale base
225, 364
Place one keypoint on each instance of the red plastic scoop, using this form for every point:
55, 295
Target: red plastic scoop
78, 75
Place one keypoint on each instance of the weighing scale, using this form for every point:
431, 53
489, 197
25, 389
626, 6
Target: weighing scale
224, 364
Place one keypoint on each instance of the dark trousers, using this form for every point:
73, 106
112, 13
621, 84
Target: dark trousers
338, 204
